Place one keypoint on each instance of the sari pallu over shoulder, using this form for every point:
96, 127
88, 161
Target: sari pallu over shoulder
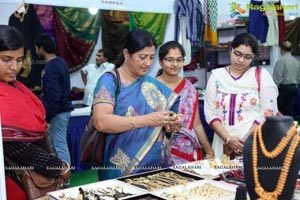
128, 152
22, 114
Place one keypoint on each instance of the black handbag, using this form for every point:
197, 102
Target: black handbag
92, 142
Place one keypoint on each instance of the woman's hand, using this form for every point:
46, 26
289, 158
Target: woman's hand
163, 118
236, 144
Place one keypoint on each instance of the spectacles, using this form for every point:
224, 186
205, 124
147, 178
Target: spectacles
241, 55
172, 60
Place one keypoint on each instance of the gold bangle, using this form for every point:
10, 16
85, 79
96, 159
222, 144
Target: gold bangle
131, 123
227, 141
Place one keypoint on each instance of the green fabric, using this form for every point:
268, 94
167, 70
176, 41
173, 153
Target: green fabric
155, 23
80, 22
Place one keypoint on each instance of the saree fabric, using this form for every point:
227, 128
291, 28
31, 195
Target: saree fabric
136, 150
186, 140
236, 102
19, 101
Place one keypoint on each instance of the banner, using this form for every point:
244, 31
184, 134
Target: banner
153, 6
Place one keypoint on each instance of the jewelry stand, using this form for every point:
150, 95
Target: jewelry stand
269, 170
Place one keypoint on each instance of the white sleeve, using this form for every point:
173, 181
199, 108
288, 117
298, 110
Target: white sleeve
210, 99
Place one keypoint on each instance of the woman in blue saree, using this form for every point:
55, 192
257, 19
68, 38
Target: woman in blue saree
135, 120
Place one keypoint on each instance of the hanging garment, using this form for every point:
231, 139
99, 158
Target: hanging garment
155, 23
192, 10
76, 34
258, 22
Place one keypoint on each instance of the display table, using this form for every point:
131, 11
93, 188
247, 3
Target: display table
78, 120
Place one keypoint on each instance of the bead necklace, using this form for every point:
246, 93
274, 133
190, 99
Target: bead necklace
264, 195
279, 148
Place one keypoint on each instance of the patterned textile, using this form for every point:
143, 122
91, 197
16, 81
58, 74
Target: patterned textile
258, 22
29, 24
292, 32
186, 139
236, 102
18, 100
192, 10
76, 33
155, 23
211, 16
145, 95
114, 30
45, 15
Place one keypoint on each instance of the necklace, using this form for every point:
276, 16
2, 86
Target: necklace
279, 148
264, 195
125, 80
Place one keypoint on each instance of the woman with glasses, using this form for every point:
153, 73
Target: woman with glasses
233, 104
187, 142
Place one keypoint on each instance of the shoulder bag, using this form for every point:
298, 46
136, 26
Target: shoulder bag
92, 142
34, 184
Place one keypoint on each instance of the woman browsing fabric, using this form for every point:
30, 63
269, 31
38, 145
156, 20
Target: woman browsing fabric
186, 142
23, 119
233, 105
136, 119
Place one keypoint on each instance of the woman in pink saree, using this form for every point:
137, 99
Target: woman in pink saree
187, 144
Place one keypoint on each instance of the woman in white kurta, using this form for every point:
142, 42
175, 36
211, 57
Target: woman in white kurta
233, 105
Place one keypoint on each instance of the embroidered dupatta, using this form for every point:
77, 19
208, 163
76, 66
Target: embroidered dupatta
133, 151
22, 114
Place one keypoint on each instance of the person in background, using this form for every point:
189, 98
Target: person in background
135, 120
22, 119
286, 75
91, 73
56, 95
186, 142
233, 106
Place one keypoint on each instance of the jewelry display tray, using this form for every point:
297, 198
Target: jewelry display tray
165, 170
184, 189
118, 185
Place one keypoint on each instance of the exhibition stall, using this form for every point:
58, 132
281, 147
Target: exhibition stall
210, 179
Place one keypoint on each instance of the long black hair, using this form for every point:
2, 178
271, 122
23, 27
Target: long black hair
135, 41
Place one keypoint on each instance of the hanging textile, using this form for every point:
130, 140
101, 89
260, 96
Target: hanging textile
155, 23
258, 22
76, 34
211, 17
292, 32
45, 15
28, 23
281, 27
115, 27
192, 10
273, 32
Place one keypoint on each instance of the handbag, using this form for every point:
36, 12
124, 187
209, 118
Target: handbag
92, 142
226, 148
34, 184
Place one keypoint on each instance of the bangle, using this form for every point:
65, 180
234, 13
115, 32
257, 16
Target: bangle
227, 141
131, 123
